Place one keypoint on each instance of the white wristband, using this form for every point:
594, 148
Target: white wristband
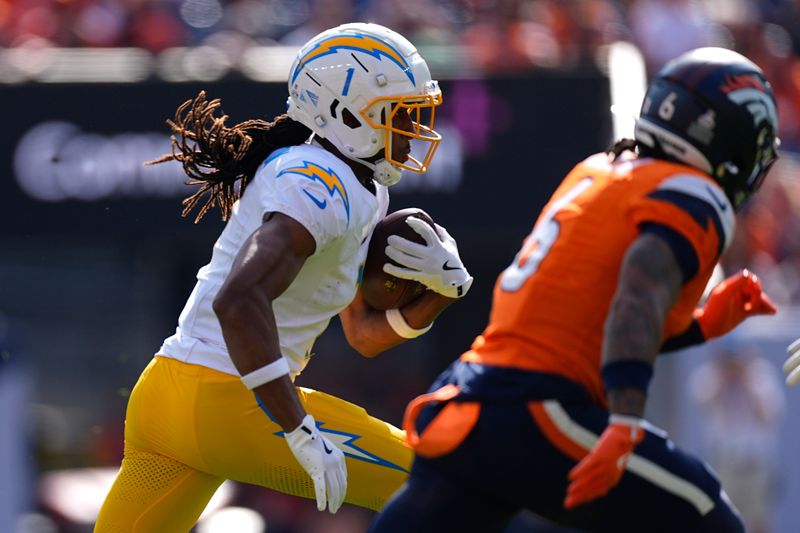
401, 327
267, 373
628, 420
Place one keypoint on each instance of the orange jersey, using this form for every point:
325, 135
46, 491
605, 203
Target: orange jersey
551, 304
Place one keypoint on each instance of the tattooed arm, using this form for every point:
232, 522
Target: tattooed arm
649, 282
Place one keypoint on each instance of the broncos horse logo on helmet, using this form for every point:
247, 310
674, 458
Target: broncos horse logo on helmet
712, 109
349, 82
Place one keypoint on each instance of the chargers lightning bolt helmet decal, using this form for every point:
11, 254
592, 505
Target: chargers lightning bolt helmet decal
361, 43
361, 76
329, 178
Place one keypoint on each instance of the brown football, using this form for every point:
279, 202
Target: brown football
381, 290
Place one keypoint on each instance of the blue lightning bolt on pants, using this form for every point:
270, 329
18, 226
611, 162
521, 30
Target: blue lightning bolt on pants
532, 428
188, 428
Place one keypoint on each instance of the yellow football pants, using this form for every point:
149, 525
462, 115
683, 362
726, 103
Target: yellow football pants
188, 428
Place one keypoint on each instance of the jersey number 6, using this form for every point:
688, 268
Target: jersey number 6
540, 240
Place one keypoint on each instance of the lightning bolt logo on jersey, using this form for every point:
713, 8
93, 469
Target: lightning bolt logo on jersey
357, 42
329, 178
320, 192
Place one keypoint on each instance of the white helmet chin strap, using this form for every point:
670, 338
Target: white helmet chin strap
383, 172
386, 173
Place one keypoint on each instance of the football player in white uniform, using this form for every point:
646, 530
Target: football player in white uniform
302, 195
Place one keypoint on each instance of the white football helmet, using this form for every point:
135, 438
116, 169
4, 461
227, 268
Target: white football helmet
348, 83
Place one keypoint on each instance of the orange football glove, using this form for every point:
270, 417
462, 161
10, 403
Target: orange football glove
601, 470
730, 302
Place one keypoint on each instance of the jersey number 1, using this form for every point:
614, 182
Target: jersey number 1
540, 240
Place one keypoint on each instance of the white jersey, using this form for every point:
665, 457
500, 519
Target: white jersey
319, 191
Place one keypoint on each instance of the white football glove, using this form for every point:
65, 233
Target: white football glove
435, 264
323, 461
792, 365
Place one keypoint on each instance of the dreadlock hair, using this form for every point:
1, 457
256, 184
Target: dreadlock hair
217, 156
623, 145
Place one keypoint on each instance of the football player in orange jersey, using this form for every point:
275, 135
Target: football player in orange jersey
545, 411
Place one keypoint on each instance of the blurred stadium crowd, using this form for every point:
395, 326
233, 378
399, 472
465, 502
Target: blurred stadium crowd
499, 38
500, 35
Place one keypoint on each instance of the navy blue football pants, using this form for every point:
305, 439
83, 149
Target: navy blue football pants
517, 457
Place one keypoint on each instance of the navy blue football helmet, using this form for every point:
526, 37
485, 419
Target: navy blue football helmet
712, 109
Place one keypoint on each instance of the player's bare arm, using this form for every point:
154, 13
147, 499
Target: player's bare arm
264, 268
649, 283
267, 263
368, 331
650, 280
436, 264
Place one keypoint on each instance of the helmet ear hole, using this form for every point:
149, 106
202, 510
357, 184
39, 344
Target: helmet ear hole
350, 120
